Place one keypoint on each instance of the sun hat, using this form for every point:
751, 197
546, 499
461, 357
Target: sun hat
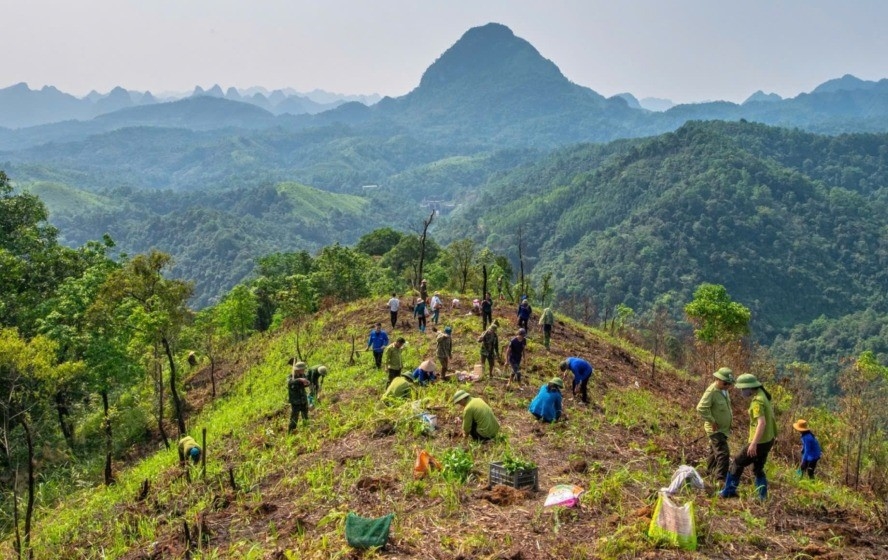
747, 381
725, 374
557, 381
322, 370
427, 365
460, 395
801, 425
299, 365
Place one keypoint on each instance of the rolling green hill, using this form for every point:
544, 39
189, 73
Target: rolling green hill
791, 223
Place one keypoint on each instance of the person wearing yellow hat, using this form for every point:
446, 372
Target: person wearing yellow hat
546, 405
296, 384
811, 451
479, 423
762, 431
715, 409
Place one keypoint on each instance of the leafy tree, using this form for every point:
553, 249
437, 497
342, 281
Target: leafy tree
339, 274
156, 306
719, 323
864, 398
236, 314
462, 253
379, 241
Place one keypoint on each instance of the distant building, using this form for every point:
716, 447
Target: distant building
369, 187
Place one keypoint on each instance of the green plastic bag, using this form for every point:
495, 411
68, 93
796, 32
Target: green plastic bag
362, 532
674, 524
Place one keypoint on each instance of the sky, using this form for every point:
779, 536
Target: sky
682, 50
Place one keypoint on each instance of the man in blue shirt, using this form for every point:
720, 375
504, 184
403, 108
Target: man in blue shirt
546, 406
378, 341
582, 372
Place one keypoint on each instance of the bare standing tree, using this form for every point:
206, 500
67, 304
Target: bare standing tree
422, 246
521, 260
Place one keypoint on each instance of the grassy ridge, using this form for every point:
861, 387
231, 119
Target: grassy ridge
294, 490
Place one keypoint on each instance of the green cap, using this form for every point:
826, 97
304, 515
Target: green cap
725, 374
747, 381
557, 381
460, 395
322, 370
299, 365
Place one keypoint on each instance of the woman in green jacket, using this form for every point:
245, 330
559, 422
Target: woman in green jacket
762, 432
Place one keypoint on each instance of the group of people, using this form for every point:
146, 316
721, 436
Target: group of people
715, 409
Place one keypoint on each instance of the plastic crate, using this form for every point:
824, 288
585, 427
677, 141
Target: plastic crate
518, 479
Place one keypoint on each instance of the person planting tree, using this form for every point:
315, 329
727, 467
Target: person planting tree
478, 421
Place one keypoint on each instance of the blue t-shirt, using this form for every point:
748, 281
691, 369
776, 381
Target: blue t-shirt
581, 369
516, 350
547, 404
422, 376
810, 447
378, 340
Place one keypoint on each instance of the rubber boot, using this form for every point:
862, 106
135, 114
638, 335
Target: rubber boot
730, 489
761, 486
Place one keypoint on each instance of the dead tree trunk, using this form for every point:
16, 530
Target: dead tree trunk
174, 392
61, 406
521, 260
17, 543
29, 510
158, 385
213, 376
109, 478
422, 244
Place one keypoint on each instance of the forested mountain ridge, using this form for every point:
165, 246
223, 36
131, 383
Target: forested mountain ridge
793, 224
215, 241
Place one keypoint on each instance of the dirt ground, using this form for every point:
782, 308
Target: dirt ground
511, 516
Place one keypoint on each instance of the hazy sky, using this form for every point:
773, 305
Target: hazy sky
684, 50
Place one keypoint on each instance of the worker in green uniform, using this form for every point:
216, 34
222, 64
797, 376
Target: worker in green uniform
296, 385
188, 449
762, 432
479, 423
315, 378
715, 409
399, 389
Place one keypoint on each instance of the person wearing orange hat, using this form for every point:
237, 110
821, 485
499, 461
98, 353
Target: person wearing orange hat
811, 451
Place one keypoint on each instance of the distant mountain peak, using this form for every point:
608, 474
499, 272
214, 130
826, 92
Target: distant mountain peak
487, 51
762, 97
847, 82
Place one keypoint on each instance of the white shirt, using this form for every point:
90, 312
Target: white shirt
394, 304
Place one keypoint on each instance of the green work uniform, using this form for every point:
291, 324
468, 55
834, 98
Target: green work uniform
399, 388
479, 421
298, 400
715, 406
315, 380
761, 406
186, 444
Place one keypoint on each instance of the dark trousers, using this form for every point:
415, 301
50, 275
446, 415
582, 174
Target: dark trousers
516, 371
421, 322
489, 360
719, 456
522, 324
808, 467
486, 319
742, 460
583, 386
547, 335
445, 362
377, 357
295, 411
394, 315
393, 373
475, 435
